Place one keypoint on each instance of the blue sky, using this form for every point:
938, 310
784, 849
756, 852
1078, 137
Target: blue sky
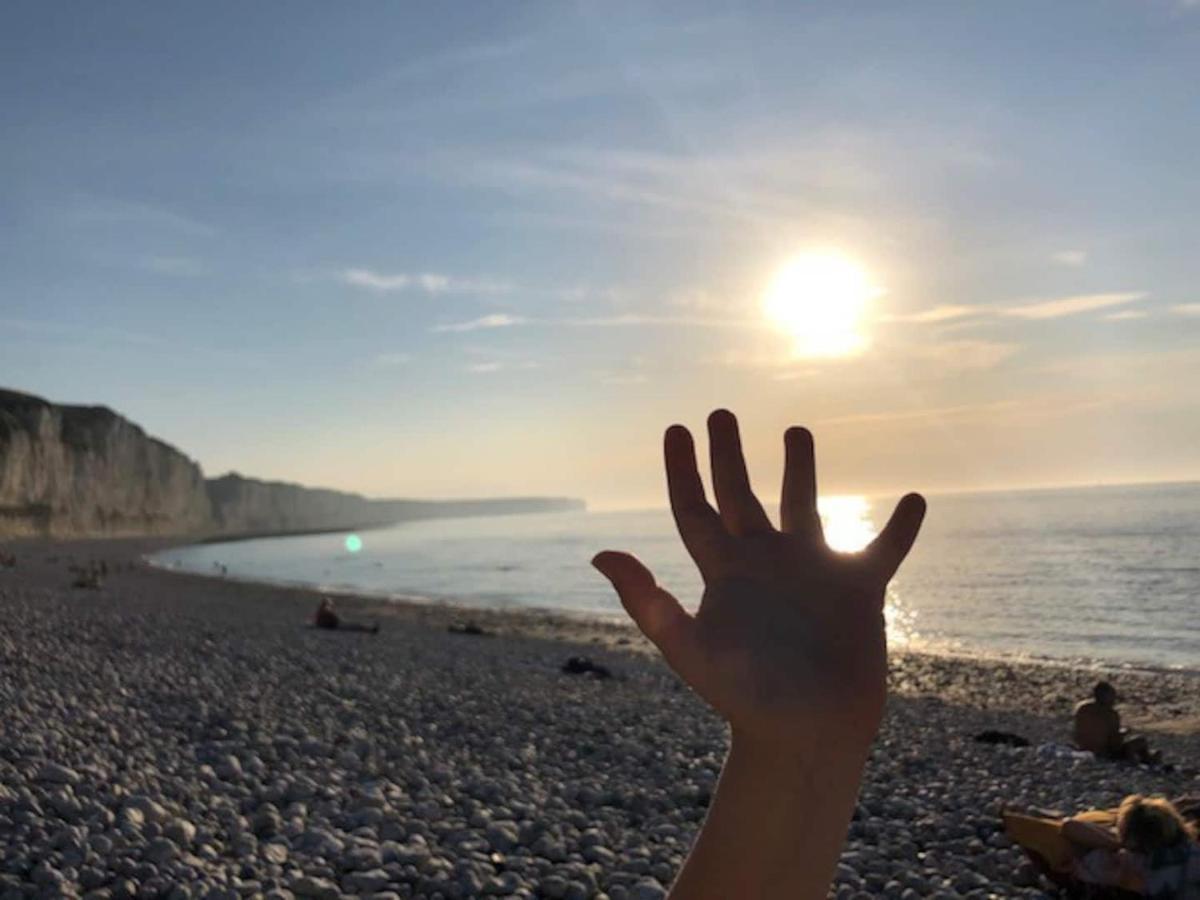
495, 248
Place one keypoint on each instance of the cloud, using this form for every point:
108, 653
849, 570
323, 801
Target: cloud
490, 366
758, 358
426, 282
628, 319
495, 320
623, 320
1070, 257
1070, 306
1124, 315
1041, 309
937, 413
1033, 408
967, 355
1186, 309
942, 313
84, 334
368, 279
619, 378
109, 213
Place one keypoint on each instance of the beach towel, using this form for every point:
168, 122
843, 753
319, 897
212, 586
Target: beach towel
1040, 836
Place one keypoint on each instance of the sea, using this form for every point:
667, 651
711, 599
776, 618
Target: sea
1096, 576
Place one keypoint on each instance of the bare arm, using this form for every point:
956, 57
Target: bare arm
789, 646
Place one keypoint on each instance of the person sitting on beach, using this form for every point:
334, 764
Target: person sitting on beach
1097, 729
1153, 851
326, 617
788, 645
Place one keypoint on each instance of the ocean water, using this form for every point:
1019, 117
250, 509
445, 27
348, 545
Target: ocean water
1106, 574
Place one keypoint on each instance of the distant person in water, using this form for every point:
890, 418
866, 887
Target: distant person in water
1097, 728
326, 617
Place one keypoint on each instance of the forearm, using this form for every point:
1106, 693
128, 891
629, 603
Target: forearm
777, 823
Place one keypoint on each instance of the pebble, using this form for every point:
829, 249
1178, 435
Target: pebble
190, 744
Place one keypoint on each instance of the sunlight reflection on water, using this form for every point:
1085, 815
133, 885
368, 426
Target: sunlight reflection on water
1090, 574
848, 527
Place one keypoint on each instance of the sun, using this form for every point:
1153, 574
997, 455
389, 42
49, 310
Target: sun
820, 299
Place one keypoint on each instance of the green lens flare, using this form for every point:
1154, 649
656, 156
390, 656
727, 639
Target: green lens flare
353, 543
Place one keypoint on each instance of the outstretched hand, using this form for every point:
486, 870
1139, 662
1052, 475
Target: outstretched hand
789, 638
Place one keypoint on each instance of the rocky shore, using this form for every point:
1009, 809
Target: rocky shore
174, 736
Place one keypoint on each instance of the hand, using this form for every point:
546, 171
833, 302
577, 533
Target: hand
789, 642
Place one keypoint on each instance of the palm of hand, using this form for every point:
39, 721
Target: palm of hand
789, 637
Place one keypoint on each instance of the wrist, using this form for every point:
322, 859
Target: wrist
799, 756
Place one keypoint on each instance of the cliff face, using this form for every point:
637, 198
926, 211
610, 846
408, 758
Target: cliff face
403, 510
248, 506
84, 470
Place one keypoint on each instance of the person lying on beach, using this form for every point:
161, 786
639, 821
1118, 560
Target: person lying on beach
1153, 851
788, 645
326, 617
1097, 729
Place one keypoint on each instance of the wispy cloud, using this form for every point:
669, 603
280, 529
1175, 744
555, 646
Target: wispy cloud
1054, 308
426, 282
967, 355
628, 319
1071, 306
943, 313
1187, 309
1074, 258
491, 366
109, 213
1124, 315
620, 378
495, 320
940, 413
623, 320
86, 334
1035, 408
759, 358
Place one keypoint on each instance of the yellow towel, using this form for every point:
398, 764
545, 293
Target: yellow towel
1043, 835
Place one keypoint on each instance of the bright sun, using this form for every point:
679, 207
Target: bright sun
820, 299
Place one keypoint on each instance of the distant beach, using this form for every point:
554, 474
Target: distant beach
168, 729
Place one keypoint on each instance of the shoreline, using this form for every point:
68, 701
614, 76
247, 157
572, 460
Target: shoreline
909, 669
583, 618
173, 729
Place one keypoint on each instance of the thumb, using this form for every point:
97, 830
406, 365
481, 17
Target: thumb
888, 550
654, 610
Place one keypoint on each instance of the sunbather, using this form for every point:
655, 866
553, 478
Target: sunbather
326, 617
1097, 728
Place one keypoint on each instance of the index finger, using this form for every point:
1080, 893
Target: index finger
698, 523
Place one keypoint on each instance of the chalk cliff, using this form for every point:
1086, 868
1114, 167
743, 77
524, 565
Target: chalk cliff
84, 470
249, 506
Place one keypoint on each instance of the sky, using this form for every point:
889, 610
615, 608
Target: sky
482, 249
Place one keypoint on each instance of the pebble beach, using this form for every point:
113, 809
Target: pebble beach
168, 735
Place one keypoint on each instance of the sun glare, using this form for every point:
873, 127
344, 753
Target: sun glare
846, 521
820, 299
